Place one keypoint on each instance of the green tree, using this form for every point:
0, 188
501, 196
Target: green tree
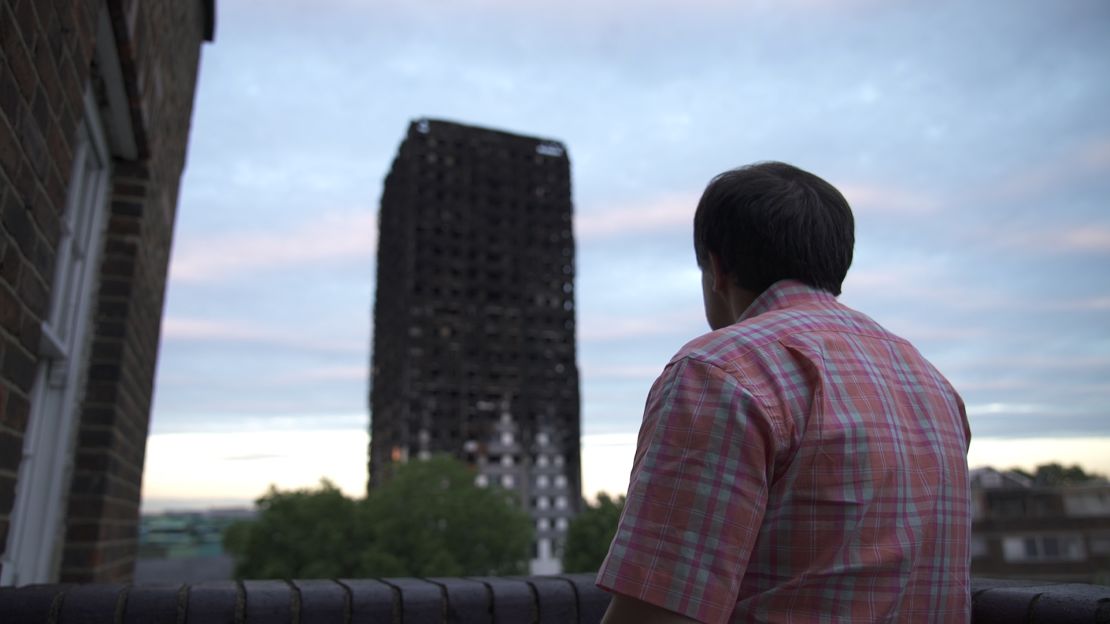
428, 520
1057, 474
590, 533
306, 533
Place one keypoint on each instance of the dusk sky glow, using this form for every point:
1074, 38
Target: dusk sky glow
972, 140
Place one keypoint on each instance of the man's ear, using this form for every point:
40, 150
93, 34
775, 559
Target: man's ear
720, 279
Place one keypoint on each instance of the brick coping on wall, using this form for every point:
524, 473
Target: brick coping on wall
539, 599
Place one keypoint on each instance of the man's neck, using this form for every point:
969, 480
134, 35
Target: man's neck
738, 300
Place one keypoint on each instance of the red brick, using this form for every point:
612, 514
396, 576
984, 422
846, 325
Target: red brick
42, 260
30, 333
41, 89
84, 532
80, 555
40, 109
124, 226
32, 291
96, 439
10, 150
10, 99
27, 17
18, 223
46, 66
16, 411
17, 367
102, 393
31, 138
129, 189
59, 150
71, 85
55, 33
22, 68
9, 30
107, 350
7, 489
11, 446
10, 310
24, 181
112, 308
56, 185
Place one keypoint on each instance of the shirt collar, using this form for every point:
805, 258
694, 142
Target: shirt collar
786, 293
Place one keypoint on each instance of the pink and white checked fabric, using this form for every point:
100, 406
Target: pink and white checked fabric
800, 465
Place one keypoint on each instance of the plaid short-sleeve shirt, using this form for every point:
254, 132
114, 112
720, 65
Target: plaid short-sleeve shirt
800, 465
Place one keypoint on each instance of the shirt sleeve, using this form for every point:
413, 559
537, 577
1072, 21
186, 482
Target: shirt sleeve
696, 496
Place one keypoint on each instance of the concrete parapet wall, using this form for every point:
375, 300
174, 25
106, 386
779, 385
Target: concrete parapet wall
540, 599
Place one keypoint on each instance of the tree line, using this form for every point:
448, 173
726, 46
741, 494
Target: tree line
430, 519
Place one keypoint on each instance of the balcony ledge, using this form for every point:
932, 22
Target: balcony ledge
540, 599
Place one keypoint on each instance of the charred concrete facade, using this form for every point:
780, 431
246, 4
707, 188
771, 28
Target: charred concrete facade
96, 98
474, 323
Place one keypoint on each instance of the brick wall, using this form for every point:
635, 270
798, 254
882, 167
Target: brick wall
47, 60
46, 50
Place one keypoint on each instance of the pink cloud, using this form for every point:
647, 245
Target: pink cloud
935, 286
1088, 239
1021, 384
940, 288
610, 7
877, 199
1090, 158
334, 237
1064, 362
915, 331
327, 373
1091, 303
1095, 238
1096, 154
603, 328
676, 211
203, 330
647, 372
651, 215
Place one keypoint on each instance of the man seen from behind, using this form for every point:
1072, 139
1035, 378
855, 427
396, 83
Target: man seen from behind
799, 463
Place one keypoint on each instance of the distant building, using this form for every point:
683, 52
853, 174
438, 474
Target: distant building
185, 534
1022, 530
474, 350
96, 98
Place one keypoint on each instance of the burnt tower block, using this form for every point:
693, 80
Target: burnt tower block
474, 350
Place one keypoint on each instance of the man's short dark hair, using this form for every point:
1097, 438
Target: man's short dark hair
771, 221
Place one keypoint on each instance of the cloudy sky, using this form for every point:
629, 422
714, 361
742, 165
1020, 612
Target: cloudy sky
972, 139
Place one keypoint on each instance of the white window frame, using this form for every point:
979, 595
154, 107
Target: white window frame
979, 547
1068, 547
36, 532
